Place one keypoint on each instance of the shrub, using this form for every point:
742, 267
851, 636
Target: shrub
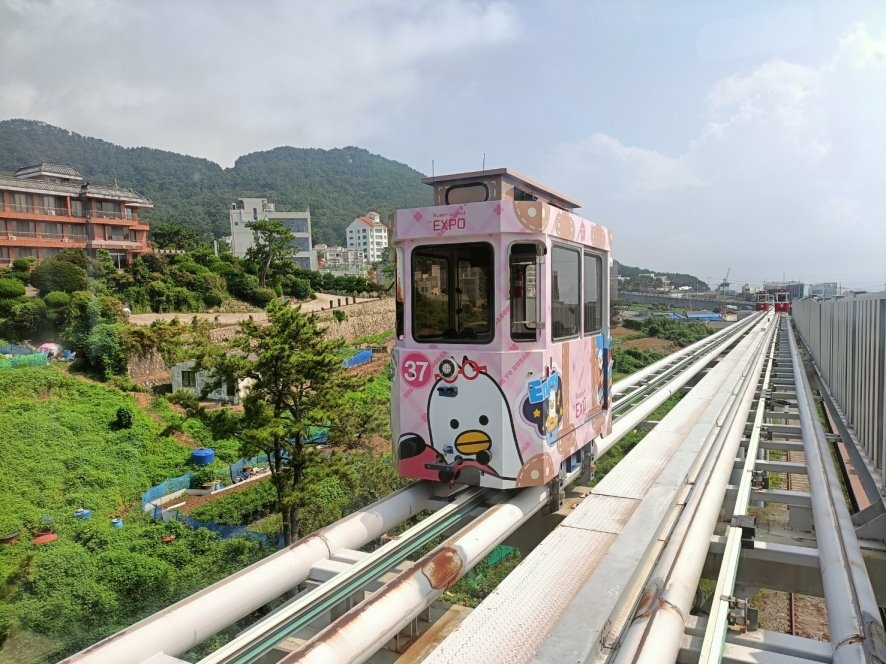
22, 264
11, 288
299, 288
104, 350
339, 316
57, 300
21, 275
53, 274
30, 316
124, 418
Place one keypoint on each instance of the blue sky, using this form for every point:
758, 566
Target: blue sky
707, 135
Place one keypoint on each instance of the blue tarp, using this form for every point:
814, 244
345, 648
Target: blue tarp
360, 358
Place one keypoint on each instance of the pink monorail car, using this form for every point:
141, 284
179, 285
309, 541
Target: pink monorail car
502, 361
765, 301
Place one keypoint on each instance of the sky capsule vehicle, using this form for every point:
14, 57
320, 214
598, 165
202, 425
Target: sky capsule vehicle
782, 301
502, 363
764, 301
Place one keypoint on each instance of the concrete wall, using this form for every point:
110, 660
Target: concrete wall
364, 319
148, 368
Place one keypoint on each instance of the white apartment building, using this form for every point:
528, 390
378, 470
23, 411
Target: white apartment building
246, 210
341, 260
368, 235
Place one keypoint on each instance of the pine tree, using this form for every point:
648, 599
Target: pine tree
297, 382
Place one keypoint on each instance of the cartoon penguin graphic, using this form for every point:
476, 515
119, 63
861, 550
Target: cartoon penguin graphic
470, 425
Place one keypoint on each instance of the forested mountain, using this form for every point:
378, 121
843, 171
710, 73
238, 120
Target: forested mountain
338, 185
676, 278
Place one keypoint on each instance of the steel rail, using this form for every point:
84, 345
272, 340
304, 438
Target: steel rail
264, 635
715, 630
856, 630
629, 420
370, 625
655, 634
194, 619
671, 364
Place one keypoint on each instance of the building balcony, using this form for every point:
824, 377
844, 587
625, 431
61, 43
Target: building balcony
30, 239
128, 245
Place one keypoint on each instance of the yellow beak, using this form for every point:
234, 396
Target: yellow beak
472, 442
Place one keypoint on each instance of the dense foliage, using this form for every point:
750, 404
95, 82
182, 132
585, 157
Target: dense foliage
65, 449
681, 332
337, 185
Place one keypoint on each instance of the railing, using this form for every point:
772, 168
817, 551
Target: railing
28, 235
847, 337
42, 209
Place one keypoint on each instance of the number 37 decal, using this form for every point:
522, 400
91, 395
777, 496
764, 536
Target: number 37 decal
416, 370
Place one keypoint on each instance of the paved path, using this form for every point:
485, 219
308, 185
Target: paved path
320, 301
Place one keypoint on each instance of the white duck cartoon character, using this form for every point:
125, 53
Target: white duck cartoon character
470, 422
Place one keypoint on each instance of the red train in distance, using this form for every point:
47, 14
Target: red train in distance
764, 302
782, 301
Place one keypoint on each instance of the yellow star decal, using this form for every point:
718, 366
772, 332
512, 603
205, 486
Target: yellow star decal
536, 413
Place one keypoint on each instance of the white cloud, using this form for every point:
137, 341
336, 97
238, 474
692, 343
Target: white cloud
221, 78
784, 175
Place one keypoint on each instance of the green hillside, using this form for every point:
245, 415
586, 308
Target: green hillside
338, 185
676, 278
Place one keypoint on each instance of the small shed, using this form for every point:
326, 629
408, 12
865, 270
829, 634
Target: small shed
185, 376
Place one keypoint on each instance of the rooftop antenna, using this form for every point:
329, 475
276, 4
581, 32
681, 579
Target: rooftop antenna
432, 168
484, 162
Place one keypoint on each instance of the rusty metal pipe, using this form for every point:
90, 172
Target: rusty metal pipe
370, 625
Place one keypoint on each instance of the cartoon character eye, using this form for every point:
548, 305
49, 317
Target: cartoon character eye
484, 420
453, 424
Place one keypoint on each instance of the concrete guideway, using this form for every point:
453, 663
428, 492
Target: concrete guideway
559, 602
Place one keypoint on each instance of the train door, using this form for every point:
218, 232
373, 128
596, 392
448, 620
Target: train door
523, 264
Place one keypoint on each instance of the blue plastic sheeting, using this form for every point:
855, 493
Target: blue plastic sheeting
13, 349
169, 486
226, 532
360, 358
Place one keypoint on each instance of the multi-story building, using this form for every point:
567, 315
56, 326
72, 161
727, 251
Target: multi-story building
47, 207
341, 260
795, 289
825, 289
246, 210
368, 235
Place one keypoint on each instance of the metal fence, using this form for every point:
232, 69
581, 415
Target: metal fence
225, 532
171, 485
34, 360
847, 337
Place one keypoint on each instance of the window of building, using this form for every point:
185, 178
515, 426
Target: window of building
21, 203
4, 256
565, 282
78, 232
76, 208
452, 293
189, 379
51, 230
2, 225
51, 205
108, 209
593, 293
25, 228
127, 213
